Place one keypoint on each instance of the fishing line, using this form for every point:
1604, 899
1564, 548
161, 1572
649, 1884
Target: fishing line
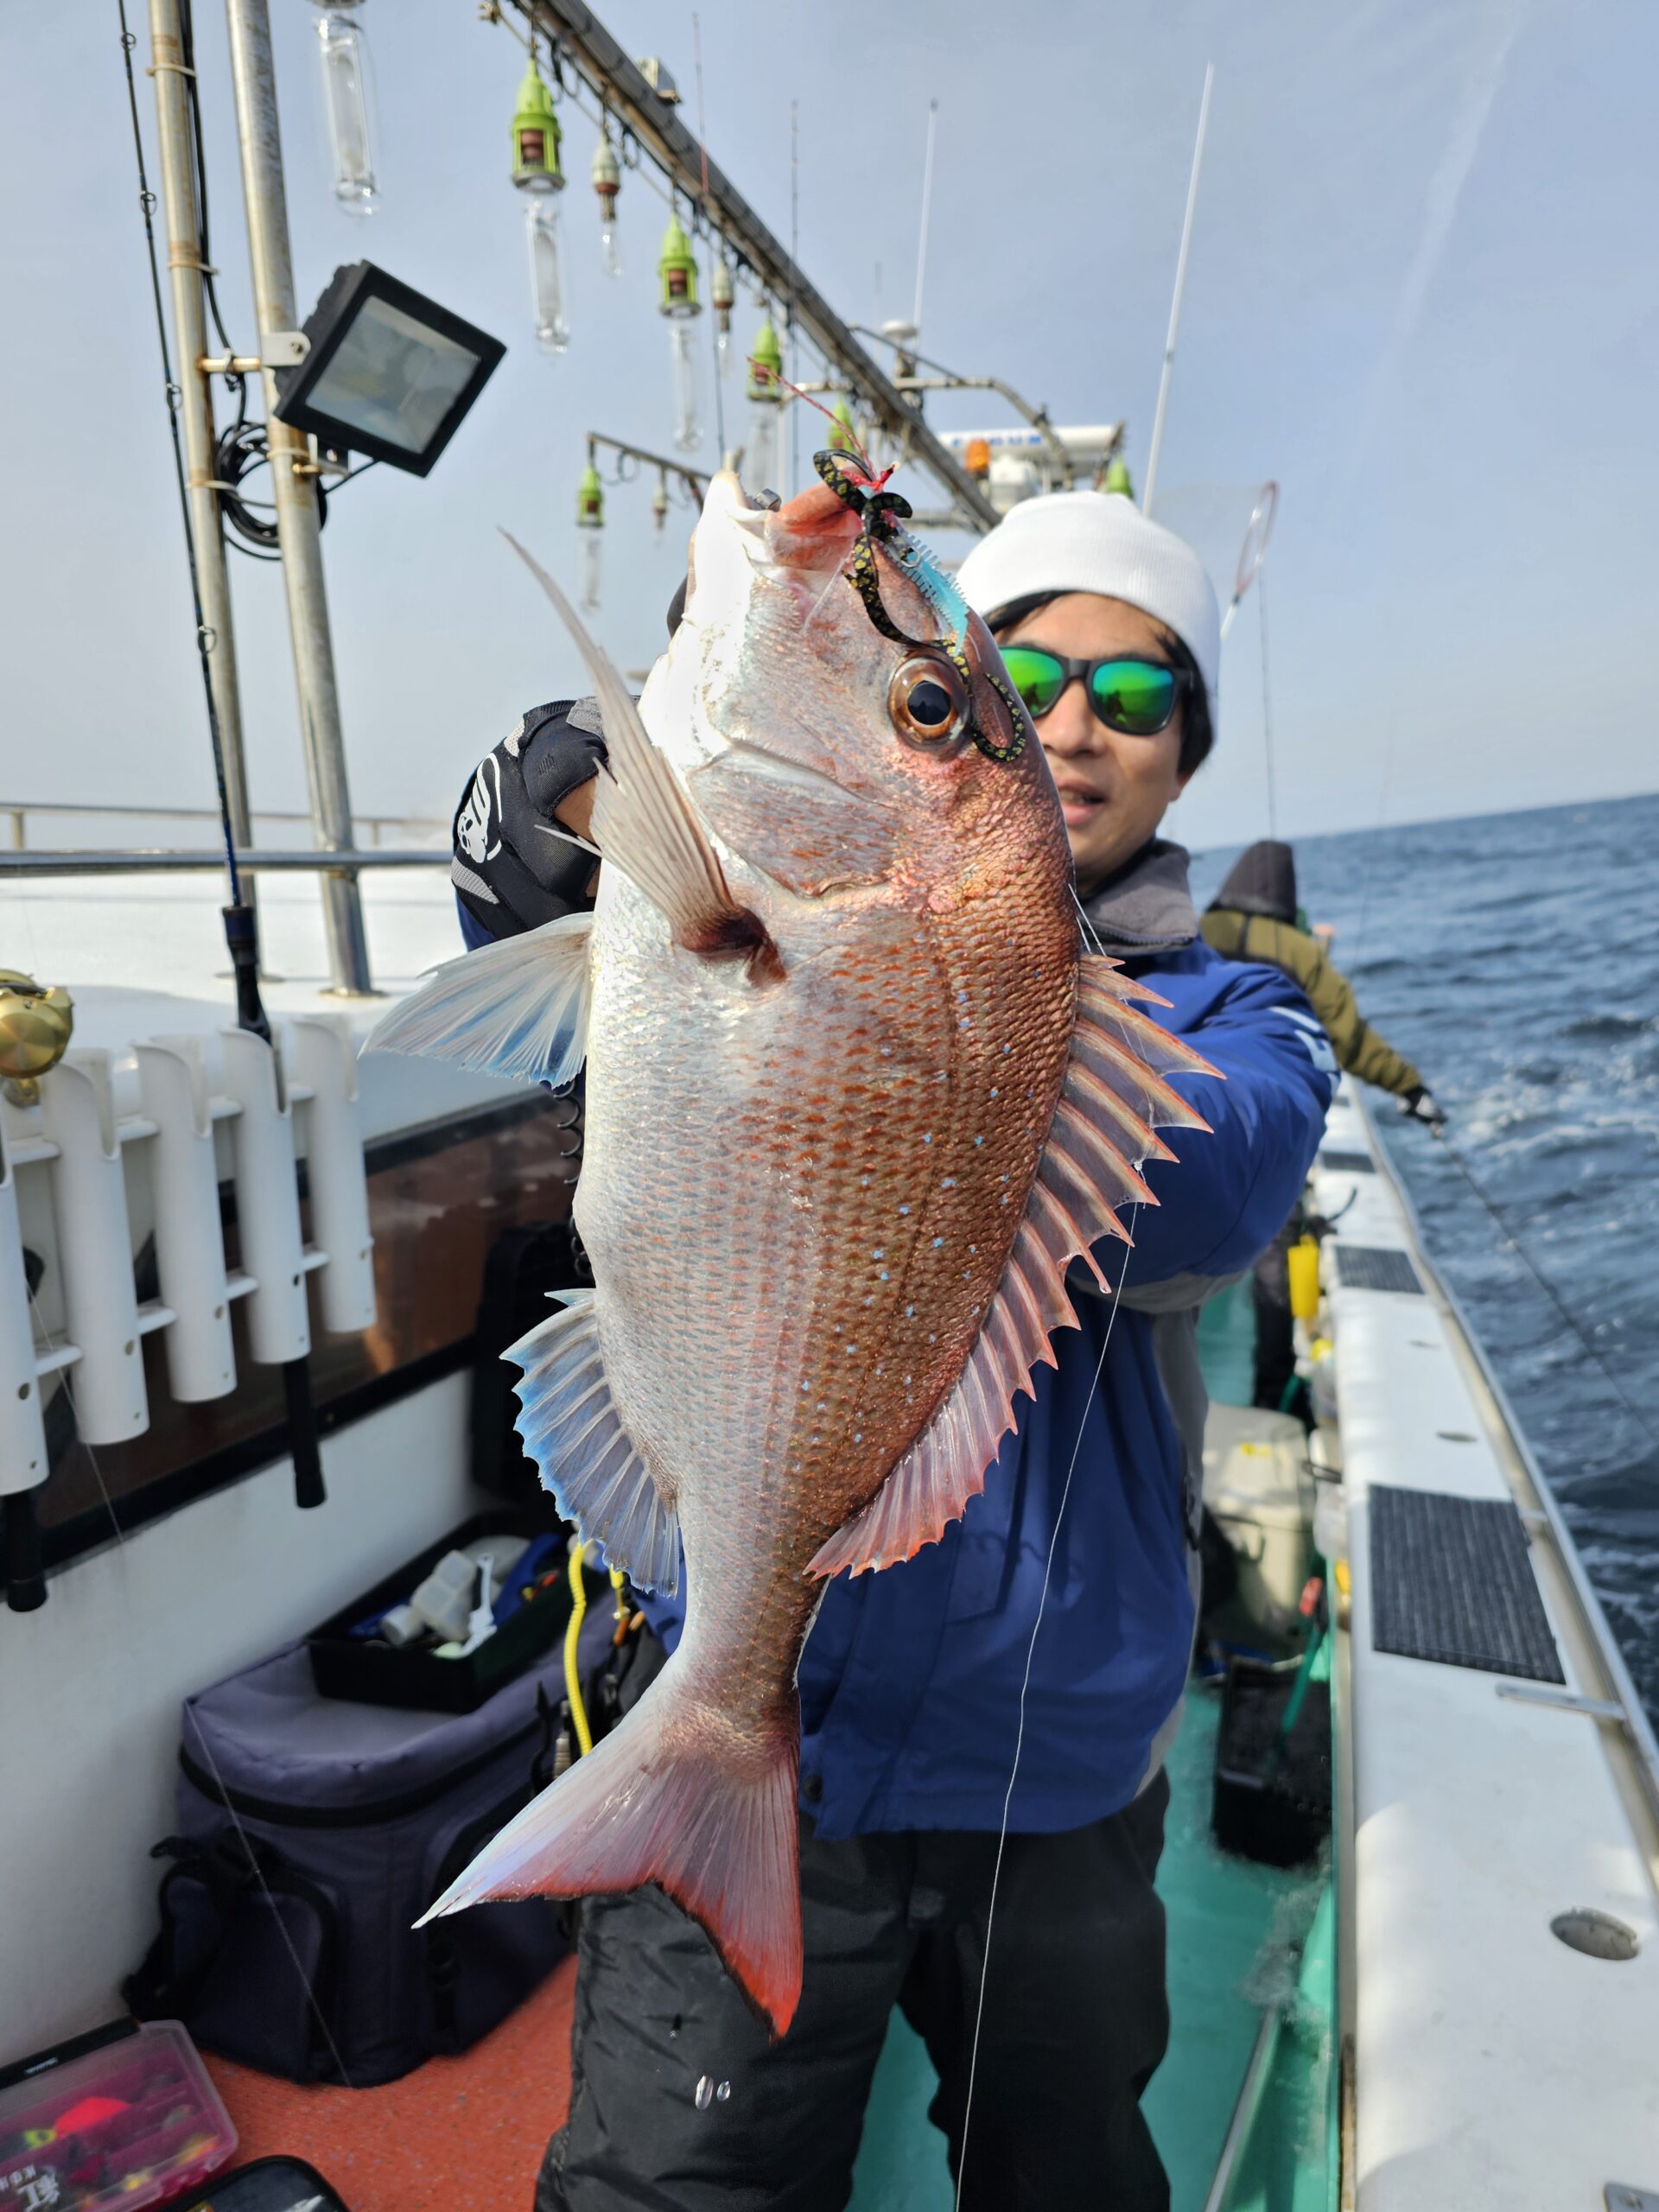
1092, 938
794, 267
134, 1642
1267, 705
714, 320
1019, 1734
1544, 1284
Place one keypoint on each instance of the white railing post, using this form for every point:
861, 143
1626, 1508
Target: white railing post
22, 1433
324, 1057
267, 1201
189, 1237
95, 1250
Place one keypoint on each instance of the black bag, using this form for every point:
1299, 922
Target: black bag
522, 1270
278, 2184
313, 1835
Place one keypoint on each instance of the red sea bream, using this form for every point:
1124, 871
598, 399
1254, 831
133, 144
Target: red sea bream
857, 1099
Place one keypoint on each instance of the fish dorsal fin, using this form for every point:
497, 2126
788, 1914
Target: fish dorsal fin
643, 821
570, 1428
516, 1008
1096, 1141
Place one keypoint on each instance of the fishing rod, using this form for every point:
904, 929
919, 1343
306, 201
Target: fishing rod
1157, 447
240, 921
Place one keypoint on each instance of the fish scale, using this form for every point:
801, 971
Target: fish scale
855, 1101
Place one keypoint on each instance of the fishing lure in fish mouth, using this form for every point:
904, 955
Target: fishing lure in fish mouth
882, 513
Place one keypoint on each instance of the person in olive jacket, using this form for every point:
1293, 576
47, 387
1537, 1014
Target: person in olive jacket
1254, 916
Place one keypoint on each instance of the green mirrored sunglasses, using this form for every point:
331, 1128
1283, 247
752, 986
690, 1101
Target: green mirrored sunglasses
1138, 697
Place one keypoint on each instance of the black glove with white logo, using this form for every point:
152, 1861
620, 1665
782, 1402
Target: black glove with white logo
515, 866
1421, 1107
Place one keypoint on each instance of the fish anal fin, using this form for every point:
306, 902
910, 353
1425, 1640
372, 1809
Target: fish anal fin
570, 1426
516, 1008
644, 823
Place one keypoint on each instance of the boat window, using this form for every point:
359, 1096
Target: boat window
438, 1198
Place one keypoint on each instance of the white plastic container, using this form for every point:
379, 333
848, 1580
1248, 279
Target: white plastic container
1257, 1485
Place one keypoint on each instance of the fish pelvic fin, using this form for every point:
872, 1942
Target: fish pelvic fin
645, 825
673, 1795
1103, 1129
516, 1008
570, 1426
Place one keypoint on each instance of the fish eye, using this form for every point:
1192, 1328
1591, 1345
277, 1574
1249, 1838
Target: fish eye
928, 702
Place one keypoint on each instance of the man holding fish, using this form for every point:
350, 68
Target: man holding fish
868, 1089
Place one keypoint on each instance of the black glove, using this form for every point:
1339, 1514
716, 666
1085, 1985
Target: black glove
1421, 1107
515, 866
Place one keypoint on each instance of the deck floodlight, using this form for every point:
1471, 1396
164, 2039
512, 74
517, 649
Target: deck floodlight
537, 172
591, 521
763, 457
677, 274
722, 297
389, 373
607, 182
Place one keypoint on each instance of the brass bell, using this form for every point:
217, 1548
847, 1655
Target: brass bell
36, 1026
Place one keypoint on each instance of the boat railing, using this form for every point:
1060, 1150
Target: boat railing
372, 828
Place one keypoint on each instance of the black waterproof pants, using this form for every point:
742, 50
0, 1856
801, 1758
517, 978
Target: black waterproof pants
1076, 2020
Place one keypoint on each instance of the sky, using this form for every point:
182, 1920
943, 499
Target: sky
1423, 297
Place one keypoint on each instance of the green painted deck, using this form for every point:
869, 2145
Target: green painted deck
1234, 1934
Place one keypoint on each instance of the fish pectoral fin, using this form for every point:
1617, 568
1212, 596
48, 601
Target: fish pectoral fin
570, 1426
804, 830
1104, 1129
645, 824
516, 1008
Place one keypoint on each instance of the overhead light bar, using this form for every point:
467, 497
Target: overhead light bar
389, 373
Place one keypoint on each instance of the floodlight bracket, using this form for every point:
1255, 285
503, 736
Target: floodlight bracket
284, 349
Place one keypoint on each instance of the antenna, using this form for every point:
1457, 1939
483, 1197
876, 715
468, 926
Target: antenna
927, 210
1180, 287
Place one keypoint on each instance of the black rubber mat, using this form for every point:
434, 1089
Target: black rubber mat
1376, 1267
1451, 1581
1348, 1163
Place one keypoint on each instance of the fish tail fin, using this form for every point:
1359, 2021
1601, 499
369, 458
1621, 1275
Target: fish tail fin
669, 1797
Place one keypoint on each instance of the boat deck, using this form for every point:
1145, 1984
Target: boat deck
471, 2130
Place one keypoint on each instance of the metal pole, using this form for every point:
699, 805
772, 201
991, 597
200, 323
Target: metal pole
1180, 287
297, 520
184, 263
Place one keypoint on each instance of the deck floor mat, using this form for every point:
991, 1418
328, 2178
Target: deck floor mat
1347, 1163
1377, 1266
1451, 1582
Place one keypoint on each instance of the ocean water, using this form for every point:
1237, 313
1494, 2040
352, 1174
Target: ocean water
1515, 958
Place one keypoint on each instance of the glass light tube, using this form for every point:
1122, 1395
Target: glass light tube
546, 288
590, 557
343, 57
688, 411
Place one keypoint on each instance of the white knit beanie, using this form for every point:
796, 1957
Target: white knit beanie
1098, 542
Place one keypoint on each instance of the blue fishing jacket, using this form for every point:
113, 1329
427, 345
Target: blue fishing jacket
911, 1681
